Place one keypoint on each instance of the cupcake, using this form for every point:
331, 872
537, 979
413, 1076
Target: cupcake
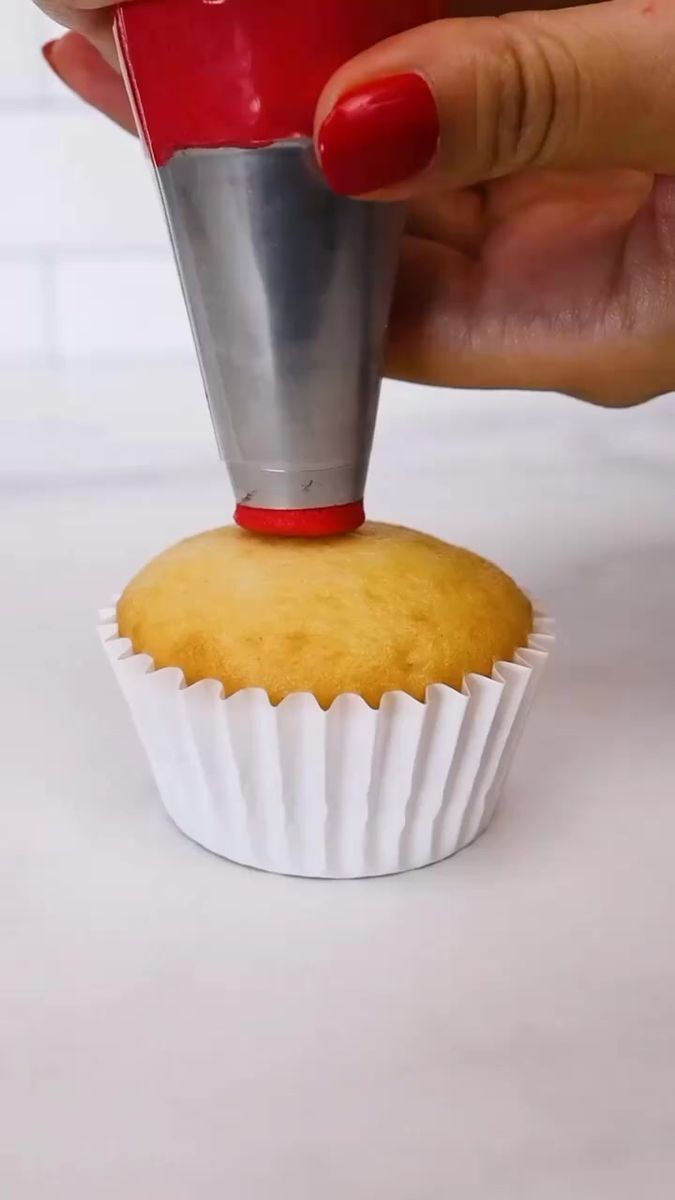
339, 707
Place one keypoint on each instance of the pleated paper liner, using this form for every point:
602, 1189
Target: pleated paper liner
344, 793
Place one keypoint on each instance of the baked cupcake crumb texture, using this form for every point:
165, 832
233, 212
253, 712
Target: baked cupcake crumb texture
383, 609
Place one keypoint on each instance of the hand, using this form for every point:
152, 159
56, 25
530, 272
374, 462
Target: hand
541, 243
86, 58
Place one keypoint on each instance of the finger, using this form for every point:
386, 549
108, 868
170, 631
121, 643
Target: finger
462, 101
64, 13
95, 22
497, 8
443, 333
83, 69
456, 219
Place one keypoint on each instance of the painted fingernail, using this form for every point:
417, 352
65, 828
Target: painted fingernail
379, 135
48, 55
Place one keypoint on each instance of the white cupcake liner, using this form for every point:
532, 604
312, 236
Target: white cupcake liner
342, 794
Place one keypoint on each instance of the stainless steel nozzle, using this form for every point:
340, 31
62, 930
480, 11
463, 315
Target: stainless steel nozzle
288, 288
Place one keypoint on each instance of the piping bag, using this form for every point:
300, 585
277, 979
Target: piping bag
288, 286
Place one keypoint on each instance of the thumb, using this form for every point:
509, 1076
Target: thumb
463, 101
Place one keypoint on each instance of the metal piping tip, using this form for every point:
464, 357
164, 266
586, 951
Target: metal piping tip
288, 288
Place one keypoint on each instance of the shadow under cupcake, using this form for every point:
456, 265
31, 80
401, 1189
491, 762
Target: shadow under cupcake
334, 708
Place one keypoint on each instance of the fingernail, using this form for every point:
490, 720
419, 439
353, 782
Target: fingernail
379, 135
48, 54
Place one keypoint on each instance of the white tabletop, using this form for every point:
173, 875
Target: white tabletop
499, 1027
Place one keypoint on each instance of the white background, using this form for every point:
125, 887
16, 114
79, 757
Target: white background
499, 1027
85, 268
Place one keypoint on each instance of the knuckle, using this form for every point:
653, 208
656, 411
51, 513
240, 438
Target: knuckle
605, 387
535, 100
606, 398
59, 12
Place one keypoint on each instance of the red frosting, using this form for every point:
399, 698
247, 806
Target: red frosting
302, 522
207, 73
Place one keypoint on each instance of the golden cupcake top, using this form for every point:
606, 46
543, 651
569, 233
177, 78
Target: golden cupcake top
383, 609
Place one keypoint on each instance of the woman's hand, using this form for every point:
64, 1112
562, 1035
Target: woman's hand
541, 243
86, 58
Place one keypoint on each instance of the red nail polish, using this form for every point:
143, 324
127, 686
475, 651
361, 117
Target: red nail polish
379, 135
48, 55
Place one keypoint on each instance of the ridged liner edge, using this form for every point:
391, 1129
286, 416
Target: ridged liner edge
344, 793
